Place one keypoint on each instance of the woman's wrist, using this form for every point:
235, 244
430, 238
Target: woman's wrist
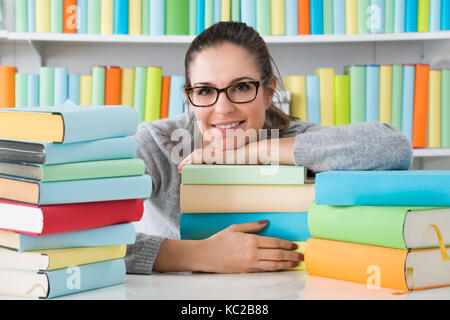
179, 256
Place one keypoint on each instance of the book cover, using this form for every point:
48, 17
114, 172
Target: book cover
7, 87
377, 11
193, 17
85, 90
31, 15
342, 100
277, 18
435, 15
328, 16
385, 107
357, 74
127, 87
209, 13
113, 80
363, 16
94, 16
313, 99
389, 13
70, 16
165, 96
248, 12
372, 92
107, 17
384, 188
339, 17
326, 84
153, 94
157, 17
445, 14
43, 16
290, 14
199, 16
397, 89
145, 17
434, 113
121, 8
74, 88
82, 16
140, 85
411, 15
399, 16
423, 15
408, 100
420, 112
263, 17
21, 99
46, 86
351, 16
291, 226
176, 98
296, 85
20, 16
177, 17
316, 16
236, 10
61, 86
304, 24
135, 17
217, 10
445, 109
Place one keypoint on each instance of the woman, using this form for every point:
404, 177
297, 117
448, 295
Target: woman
230, 86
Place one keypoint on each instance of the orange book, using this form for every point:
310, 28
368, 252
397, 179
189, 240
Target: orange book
165, 94
420, 113
7, 87
70, 16
303, 17
112, 86
377, 267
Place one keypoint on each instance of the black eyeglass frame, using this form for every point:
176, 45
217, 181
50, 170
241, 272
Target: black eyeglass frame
187, 91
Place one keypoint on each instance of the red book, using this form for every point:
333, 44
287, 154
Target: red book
42, 220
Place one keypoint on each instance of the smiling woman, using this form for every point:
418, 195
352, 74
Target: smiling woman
230, 86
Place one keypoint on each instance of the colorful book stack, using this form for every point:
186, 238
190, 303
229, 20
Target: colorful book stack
381, 228
152, 94
269, 17
213, 197
412, 98
70, 187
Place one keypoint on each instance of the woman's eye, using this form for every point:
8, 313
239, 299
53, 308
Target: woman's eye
203, 91
241, 87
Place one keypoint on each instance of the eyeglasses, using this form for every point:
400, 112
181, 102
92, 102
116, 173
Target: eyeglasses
241, 92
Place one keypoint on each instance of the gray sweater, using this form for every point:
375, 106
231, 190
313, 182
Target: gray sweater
362, 146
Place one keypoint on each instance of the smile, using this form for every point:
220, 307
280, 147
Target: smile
229, 126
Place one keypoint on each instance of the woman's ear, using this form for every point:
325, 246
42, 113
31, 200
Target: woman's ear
270, 88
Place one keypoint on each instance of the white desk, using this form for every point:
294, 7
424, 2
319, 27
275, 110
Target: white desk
291, 285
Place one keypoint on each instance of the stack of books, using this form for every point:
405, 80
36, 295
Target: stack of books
381, 228
70, 188
214, 197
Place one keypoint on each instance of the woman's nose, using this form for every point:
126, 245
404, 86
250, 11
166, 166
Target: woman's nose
223, 104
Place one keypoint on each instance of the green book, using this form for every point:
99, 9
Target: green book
153, 94
235, 10
146, 17
140, 84
244, 174
384, 226
423, 16
46, 85
397, 89
75, 170
56, 16
93, 16
20, 15
209, 13
98, 86
177, 17
342, 100
21, 90
327, 16
389, 10
193, 17
357, 93
363, 16
445, 109
263, 17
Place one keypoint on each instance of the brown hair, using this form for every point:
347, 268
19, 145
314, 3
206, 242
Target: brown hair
240, 34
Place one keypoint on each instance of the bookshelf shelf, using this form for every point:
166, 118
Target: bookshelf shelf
431, 152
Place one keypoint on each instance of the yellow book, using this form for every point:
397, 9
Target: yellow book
47, 260
107, 17
153, 94
385, 106
85, 90
434, 105
127, 94
225, 14
296, 85
301, 245
351, 16
326, 88
277, 17
43, 16
135, 17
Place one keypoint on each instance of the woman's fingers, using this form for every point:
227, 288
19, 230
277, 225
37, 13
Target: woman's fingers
270, 265
279, 255
269, 242
248, 227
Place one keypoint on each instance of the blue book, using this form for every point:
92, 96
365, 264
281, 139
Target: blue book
411, 15
33, 90
103, 122
176, 96
79, 191
399, 16
60, 86
290, 17
57, 153
200, 17
316, 16
372, 92
157, 17
31, 15
339, 17
121, 16
377, 25
82, 15
74, 88
217, 10
291, 226
384, 188
113, 235
445, 14
313, 98
408, 100
435, 15
248, 12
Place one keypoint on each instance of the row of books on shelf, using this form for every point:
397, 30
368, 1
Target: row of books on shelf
152, 94
269, 17
412, 98
379, 228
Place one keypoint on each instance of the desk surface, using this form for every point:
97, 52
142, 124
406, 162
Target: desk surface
290, 285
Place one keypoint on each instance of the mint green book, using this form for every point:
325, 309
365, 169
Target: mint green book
46, 85
423, 16
146, 17
21, 90
209, 13
20, 16
445, 112
357, 93
328, 17
389, 6
56, 16
236, 10
98, 86
398, 227
244, 174
74, 171
177, 17
192, 17
94, 16
263, 17
363, 16
397, 89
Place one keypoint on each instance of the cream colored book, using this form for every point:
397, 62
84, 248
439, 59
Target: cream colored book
326, 87
385, 107
434, 110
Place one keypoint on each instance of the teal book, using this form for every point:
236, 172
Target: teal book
157, 11
357, 75
408, 100
411, 15
317, 17
243, 174
111, 235
176, 96
76, 191
291, 226
290, 17
445, 14
435, 15
33, 90
248, 12
339, 17
399, 16
61, 86
313, 98
121, 10
74, 88
377, 16
56, 153
200, 16
372, 92
62, 282
31, 15
384, 188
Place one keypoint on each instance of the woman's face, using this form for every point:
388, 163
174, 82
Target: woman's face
219, 67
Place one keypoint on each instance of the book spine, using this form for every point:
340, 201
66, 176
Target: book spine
420, 113
411, 7
434, 104
157, 15
43, 16
176, 99
70, 16
316, 16
121, 16
82, 17
20, 16
209, 13
304, 21
226, 10
98, 86
127, 87
357, 93
177, 17
435, 15
339, 17
107, 17
85, 90
363, 16
423, 15
7, 87
145, 17
33, 90
290, 14
397, 89
296, 85
351, 13
445, 14
408, 100
248, 12
445, 109
21, 99
61, 86
389, 20
165, 96
192, 17
313, 99
94, 16
326, 84
399, 16
236, 10
327, 16
342, 99
385, 106
74, 88
372, 92
31, 15
217, 10
377, 16
56, 16
277, 17
200, 16
153, 94
113, 80
263, 17
46, 85
140, 84
135, 17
